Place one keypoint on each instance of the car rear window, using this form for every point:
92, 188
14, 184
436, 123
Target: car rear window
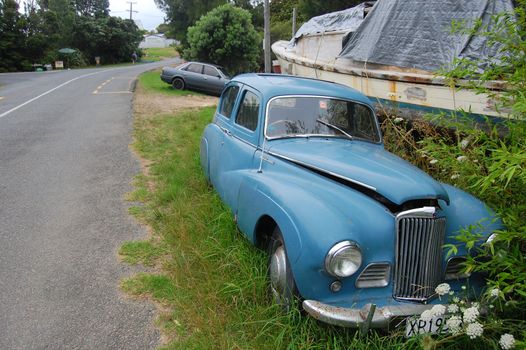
228, 99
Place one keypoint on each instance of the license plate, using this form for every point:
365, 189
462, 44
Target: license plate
415, 326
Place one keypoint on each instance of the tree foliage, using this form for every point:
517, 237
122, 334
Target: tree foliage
225, 36
35, 36
12, 26
184, 13
311, 8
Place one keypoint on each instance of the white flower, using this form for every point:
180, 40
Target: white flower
461, 158
475, 305
471, 314
463, 287
474, 330
454, 323
455, 176
438, 310
426, 315
433, 161
507, 341
398, 120
456, 300
464, 143
451, 293
442, 289
453, 308
491, 306
494, 292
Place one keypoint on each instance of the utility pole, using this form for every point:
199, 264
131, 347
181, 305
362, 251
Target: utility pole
266, 40
131, 8
294, 15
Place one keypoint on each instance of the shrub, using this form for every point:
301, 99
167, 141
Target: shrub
225, 36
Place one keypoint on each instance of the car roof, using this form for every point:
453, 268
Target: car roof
271, 85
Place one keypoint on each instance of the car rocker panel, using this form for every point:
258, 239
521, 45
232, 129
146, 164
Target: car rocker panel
363, 230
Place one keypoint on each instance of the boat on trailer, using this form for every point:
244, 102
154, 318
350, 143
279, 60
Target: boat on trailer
391, 51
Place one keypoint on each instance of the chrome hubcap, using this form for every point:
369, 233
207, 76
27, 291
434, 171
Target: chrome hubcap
278, 273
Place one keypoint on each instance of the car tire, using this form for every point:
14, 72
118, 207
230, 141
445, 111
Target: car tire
282, 287
178, 84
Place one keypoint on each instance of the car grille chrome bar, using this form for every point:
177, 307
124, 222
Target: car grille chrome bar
419, 253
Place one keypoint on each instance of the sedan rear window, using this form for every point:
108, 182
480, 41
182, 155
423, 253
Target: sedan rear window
320, 116
228, 99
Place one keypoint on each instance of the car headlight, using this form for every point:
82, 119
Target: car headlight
344, 259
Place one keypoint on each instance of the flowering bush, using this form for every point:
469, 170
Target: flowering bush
473, 320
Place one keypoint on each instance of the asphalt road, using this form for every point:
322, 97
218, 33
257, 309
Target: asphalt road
65, 166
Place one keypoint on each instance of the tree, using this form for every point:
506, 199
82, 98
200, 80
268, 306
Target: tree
12, 38
184, 13
225, 36
111, 38
311, 8
94, 8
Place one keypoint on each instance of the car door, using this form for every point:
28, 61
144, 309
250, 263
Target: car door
240, 145
213, 80
223, 119
193, 76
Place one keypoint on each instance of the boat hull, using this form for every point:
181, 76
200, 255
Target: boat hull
406, 92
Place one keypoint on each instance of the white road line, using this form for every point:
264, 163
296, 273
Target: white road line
49, 91
1, 97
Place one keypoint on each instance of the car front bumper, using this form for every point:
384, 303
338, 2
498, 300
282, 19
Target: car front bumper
357, 318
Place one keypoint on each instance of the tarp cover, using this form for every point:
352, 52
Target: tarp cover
348, 20
418, 33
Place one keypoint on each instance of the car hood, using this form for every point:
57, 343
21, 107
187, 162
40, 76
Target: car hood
362, 164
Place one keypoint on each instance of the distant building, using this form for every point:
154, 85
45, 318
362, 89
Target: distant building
156, 40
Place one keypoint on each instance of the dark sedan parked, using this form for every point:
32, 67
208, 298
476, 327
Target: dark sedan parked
196, 76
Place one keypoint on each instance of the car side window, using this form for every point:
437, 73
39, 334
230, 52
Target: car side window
228, 100
195, 68
211, 71
249, 111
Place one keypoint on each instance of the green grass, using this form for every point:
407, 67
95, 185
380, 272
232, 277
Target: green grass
210, 281
151, 82
157, 54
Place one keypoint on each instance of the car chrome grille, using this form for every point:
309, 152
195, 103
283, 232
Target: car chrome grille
419, 249
374, 275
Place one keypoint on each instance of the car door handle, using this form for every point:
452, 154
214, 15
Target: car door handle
226, 131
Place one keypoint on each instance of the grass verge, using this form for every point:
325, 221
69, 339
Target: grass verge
209, 282
159, 53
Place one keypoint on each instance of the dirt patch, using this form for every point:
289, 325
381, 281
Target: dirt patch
152, 104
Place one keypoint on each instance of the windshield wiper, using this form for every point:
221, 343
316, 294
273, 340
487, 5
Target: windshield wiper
332, 126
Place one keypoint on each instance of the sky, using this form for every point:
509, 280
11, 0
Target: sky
147, 12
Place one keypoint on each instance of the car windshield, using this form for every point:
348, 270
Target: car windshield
304, 116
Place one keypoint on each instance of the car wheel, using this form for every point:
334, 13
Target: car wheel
178, 84
281, 282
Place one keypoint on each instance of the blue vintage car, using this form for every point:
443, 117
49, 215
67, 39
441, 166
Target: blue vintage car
353, 231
